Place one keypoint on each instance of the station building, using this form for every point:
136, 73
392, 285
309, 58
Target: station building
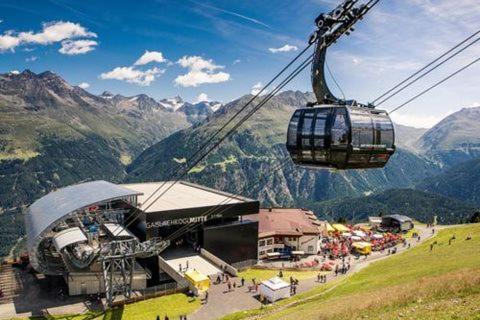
67, 229
287, 230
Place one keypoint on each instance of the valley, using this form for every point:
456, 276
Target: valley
53, 134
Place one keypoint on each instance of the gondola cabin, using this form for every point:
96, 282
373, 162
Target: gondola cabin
341, 137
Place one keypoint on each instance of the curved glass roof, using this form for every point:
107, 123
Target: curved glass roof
54, 207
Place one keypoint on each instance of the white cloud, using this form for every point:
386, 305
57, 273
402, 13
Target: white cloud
84, 85
8, 42
202, 97
131, 75
419, 120
15, 72
52, 32
200, 71
1, 20
257, 87
31, 59
56, 32
236, 61
150, 56
75, 47
285, 48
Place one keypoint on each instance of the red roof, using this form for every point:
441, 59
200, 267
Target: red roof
286, 222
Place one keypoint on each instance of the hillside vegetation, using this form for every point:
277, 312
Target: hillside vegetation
259, 148
416, 284
461, 181
414, 203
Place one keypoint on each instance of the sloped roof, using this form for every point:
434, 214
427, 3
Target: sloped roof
400, 218
286, 222
169, 195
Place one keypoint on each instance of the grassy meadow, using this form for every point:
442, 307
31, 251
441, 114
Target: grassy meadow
417, 284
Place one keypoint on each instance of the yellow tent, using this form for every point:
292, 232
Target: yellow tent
340, 227
199, 280
362, 247
330, 228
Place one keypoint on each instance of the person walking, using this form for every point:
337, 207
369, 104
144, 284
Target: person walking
229, 285
242, 281
206, 296
166, 318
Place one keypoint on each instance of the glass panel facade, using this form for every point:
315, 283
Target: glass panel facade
362, 130
340, 128
292, 130
307, 130
320, 127
383, 131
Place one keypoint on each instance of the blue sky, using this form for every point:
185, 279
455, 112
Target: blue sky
224, 48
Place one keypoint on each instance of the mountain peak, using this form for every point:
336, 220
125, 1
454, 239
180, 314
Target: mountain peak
107, 94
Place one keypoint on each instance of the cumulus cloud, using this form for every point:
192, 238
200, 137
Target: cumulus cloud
257, 87
200, 71
84, 85
75, 47
132, 75
52, 32
202, 97
237, 61
150, 56
285, 48
8, 41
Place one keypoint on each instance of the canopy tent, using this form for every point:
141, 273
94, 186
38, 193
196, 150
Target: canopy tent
340, 227
359, 233
377, 236
329, 227
362, 247
197, 279
346, 234
298, 253
356, 238
274, 289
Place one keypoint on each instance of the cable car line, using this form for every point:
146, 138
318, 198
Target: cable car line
232, 130
264, 100
349, 16
334, 80
172, 175
428, 65
435, 85
427, 72
286, 81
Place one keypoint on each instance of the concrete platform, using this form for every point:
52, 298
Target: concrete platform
194, 262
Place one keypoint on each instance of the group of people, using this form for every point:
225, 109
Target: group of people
343, 269
322, 278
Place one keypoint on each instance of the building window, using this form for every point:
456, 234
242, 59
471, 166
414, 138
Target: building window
261, 243
261, 253
269, 242
310, 248
269, 250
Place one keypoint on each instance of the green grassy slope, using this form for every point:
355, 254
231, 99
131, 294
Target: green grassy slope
417, 284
